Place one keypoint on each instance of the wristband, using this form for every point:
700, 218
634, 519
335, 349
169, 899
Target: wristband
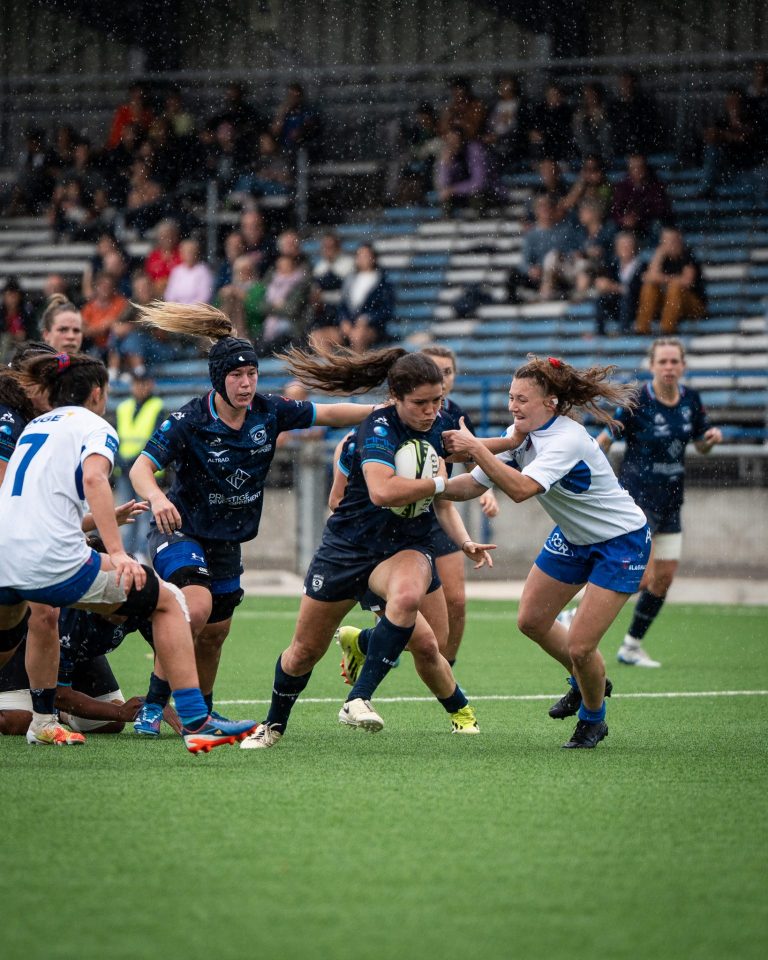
439, 485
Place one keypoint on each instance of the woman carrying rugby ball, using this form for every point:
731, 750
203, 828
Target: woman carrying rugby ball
367, 545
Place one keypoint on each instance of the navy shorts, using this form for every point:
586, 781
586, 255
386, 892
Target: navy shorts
215, 564
94, 677
440, 543
616, 564
340, 570
662, 518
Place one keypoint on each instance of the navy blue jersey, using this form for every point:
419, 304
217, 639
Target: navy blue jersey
84, 636
653, 470
220, 472
378, 530
11, 425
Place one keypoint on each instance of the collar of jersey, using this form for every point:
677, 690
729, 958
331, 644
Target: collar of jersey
546, 426
212, 408
652, 393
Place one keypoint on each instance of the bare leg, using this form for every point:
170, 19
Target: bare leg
543, 598
451, 570
595, 614
42, 656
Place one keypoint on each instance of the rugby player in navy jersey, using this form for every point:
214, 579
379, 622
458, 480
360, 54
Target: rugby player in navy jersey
366, 546
221, 446
668, 416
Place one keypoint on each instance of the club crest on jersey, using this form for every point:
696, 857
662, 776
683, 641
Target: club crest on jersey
380, 431
165, 426
317, 582
238, 478
258, 436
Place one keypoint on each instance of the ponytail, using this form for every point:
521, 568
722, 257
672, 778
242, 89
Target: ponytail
578, 389
340, 370
192, 320
65, 380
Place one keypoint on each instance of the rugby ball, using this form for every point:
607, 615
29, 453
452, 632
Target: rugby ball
415, 459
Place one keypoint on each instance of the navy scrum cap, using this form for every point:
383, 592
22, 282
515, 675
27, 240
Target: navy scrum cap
226, 355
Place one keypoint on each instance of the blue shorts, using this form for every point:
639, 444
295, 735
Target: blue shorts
62, 594
617, 564
340, 570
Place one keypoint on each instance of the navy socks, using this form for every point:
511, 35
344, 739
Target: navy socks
285, 693
456, 701
646, 610
385, 644
159, 691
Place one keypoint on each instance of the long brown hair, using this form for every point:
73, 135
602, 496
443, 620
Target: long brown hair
66, 381
13, 395
192, 320
578, 390
342, 370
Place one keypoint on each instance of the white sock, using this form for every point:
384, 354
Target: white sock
630, 641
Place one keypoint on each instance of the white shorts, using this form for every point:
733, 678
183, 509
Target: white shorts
16, 700
667, 546
83, 725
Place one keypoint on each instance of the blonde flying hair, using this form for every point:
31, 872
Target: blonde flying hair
188, 319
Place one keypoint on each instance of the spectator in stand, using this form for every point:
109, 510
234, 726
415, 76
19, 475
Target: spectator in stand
68, 214
591, 184
246, 120
286, 302
418, 148
227, 156
164, 256
592, 126
117, 267
143, 189
289, 245
136, 113
17, 317
233, 248
673, 286
118, 164
191, 280
618, 286
270, 176
64, 140
551, 184
367, 303
508, 125
551, 132
635, 118
105, 243
296, 124
181, 119
758, 96
259, 245
243, 299
160, 151
543, 245
83, 168
462, 177
731, 143
36, 177
594, 236
640, 201
464, 111
101, 313
329, 274
127, 347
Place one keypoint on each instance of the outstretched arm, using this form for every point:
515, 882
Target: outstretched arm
341, 414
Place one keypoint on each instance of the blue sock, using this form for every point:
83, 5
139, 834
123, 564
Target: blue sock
592, 716
364, 639
456, 701
159, 691
573, 682
385, 644
285, 693
190, 707
208, 697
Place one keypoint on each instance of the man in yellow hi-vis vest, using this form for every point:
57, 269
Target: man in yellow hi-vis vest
137, 418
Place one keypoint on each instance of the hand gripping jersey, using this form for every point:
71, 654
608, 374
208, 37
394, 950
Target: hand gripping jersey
581, 492
356, 519
653, 469
42, 501
220, 472
11, 426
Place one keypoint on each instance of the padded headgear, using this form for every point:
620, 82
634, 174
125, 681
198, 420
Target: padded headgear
226, 355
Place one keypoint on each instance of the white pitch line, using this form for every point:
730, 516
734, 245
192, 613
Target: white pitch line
665, 695
507, 615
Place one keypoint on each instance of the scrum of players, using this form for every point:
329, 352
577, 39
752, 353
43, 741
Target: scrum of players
394, 541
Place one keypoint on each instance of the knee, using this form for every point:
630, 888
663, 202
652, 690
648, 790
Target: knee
407, 599
44, 618
531, 625
302, 655
212, 637
580, 653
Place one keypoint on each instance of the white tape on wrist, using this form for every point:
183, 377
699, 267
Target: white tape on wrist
439, 485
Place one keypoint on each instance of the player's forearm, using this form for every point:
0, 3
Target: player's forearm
99, 496
462, 488
450, 520
342, 414
400, 491
142, 477
72, 701
509, 480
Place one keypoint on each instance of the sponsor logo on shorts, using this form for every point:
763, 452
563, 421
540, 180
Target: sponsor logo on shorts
556, 544
317, 582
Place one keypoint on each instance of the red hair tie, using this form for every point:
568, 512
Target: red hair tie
63, 361
554, 362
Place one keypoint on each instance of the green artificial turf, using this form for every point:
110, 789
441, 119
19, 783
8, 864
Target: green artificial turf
413, 842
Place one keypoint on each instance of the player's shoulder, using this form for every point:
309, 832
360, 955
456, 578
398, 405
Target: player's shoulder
690, 396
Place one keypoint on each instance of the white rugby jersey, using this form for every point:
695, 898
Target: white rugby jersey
581, 492
42, 501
